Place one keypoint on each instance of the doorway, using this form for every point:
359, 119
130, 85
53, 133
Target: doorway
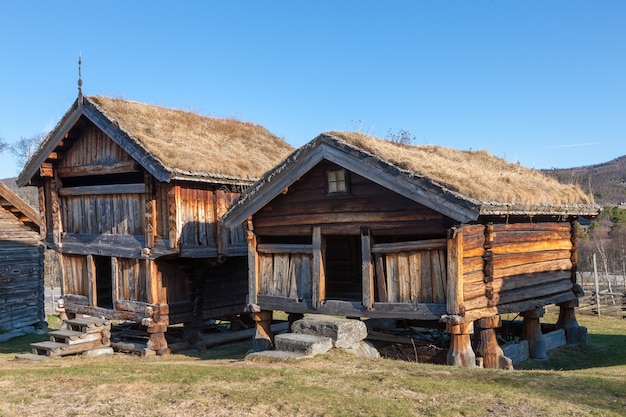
343, 268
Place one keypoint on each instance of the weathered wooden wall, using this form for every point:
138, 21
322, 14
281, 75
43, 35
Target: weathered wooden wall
120, 214
306, 204
407, 274
21, 274
93, 148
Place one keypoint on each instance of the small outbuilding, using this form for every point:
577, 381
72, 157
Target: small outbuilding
132, 197
21, 263
352, 225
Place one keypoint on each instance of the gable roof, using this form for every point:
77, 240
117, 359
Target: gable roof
12, 203
462, 185
172, 144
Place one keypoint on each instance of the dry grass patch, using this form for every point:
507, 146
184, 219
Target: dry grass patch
190, 143
476, 174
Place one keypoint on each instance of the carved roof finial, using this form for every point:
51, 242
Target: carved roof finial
80, 77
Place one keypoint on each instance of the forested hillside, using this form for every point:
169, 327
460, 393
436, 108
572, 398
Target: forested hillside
607, 181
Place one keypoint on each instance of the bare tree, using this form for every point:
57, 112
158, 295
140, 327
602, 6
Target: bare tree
4, 146
24, 148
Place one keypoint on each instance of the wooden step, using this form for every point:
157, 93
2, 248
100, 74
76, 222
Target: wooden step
62, 349
73, 337
87, 324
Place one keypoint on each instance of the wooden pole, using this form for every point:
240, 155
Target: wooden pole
488, 347
531, 331
595, 276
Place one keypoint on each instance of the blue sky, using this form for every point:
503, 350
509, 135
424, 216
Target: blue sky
542, 83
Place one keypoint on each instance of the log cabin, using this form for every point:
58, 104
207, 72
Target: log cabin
21, 263
132, 197
352, 225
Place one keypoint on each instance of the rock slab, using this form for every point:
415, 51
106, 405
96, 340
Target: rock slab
303, 343
344, 333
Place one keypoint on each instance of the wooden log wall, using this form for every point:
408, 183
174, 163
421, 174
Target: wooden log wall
21, 274
200, 212
411, 272
520, 263
285, 270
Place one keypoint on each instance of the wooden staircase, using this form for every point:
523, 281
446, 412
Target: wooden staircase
75, 336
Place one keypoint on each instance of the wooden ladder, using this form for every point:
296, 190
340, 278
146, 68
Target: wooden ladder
75, 336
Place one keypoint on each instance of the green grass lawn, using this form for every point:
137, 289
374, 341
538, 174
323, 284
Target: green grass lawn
586, 380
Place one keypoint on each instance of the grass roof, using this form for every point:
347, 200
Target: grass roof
191, 144
475, 174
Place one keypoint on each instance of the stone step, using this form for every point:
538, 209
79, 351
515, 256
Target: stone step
306, 344
73, 337
32, 357
344, 332
275, 355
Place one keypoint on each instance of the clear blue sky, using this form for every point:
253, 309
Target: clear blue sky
542, 83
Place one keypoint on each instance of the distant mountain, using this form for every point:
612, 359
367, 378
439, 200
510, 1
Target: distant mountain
28, 194
607, 181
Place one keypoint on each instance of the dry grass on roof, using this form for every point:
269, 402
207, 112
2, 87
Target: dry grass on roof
188, 142
475, 174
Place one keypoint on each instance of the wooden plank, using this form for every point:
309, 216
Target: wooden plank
556, 265
124, 167
438, 267
404, 278
473, 264
318, 271
544, 226
367, 270
415, 273
281, 275
295, 271
502, 236
527, 247
391, 262
417, 245
427, 284
173, 199
305, 281
103, 189
266, 272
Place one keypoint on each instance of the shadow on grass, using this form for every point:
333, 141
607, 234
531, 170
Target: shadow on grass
601, 351
21, 344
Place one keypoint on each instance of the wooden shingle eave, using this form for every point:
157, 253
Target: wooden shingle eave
20, 209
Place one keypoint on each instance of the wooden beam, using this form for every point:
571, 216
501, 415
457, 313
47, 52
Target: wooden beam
46, 170
92, 284
418, 245
271, 248
454, 290
103, 189
253, 264
115, 290
319, 273
381, 280
367, 269
104, 169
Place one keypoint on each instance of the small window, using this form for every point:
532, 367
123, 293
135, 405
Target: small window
337, 181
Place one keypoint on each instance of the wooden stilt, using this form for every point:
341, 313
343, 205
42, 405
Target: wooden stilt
488, 347
574, 333
264, 337
192, 333
531, 331
461, 353
156, 332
